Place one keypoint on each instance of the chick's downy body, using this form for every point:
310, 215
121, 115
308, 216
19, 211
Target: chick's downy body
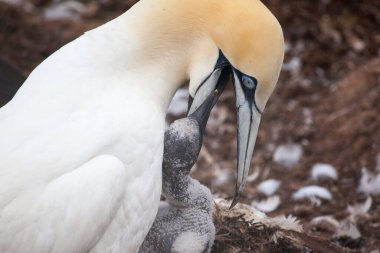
184, 223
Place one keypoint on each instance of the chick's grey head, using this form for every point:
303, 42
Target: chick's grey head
183, 141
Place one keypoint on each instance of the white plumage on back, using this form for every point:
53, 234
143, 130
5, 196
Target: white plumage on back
72, 177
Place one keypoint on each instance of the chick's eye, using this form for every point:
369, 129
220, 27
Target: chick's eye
248, 82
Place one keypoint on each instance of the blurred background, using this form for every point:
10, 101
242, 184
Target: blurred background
317, 155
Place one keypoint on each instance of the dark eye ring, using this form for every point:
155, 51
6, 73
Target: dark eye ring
248, 82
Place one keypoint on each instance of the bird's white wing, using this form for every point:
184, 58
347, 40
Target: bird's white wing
70, 214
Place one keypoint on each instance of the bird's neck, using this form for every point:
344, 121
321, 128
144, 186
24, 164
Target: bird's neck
142, 62
186, 192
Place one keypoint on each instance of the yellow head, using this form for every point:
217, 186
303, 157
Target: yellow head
251, 39
245, 31
210, 36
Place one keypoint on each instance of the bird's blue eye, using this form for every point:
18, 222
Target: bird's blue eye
248, 82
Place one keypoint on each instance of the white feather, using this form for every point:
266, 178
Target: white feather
288, 155
67, 10
293, 66
82, 202
253, 176
285, 222
308, 192
251, 214
348, 229
268, 205
326, 219
269, 187
323, 170
189, 242
359, 210
369, 183
63, 118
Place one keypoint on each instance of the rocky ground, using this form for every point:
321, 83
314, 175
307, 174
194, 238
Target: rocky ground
320, 128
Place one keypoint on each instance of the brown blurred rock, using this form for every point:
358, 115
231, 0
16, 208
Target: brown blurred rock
40, 2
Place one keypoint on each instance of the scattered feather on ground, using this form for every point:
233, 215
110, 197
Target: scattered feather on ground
323, 171
369, 183
267, 205
269, 187
288, 155
311, 192
67, 10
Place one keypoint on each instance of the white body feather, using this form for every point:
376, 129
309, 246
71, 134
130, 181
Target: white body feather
81, 147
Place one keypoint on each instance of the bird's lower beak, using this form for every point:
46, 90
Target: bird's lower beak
248, 120
206, 97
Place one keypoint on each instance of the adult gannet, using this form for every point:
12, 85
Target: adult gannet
184, 223
81, 143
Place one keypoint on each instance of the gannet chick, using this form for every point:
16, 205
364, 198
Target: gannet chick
184, 223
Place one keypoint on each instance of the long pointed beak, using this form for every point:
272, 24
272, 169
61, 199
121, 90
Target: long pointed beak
207, 96
248, 120
248, 116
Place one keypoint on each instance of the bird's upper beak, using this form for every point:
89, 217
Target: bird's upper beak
209, 91
248, 115
202, 113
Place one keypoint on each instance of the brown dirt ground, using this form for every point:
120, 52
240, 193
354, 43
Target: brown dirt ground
338, 83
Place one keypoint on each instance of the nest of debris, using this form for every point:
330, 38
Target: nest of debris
234, 234
244, 229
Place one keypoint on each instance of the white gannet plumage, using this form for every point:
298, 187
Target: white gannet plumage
62, 119
81, 142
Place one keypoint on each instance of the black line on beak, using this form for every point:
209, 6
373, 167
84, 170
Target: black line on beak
202, 113
221, 63
248, 92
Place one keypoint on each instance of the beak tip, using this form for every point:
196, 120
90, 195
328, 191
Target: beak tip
235, 200
233, 204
